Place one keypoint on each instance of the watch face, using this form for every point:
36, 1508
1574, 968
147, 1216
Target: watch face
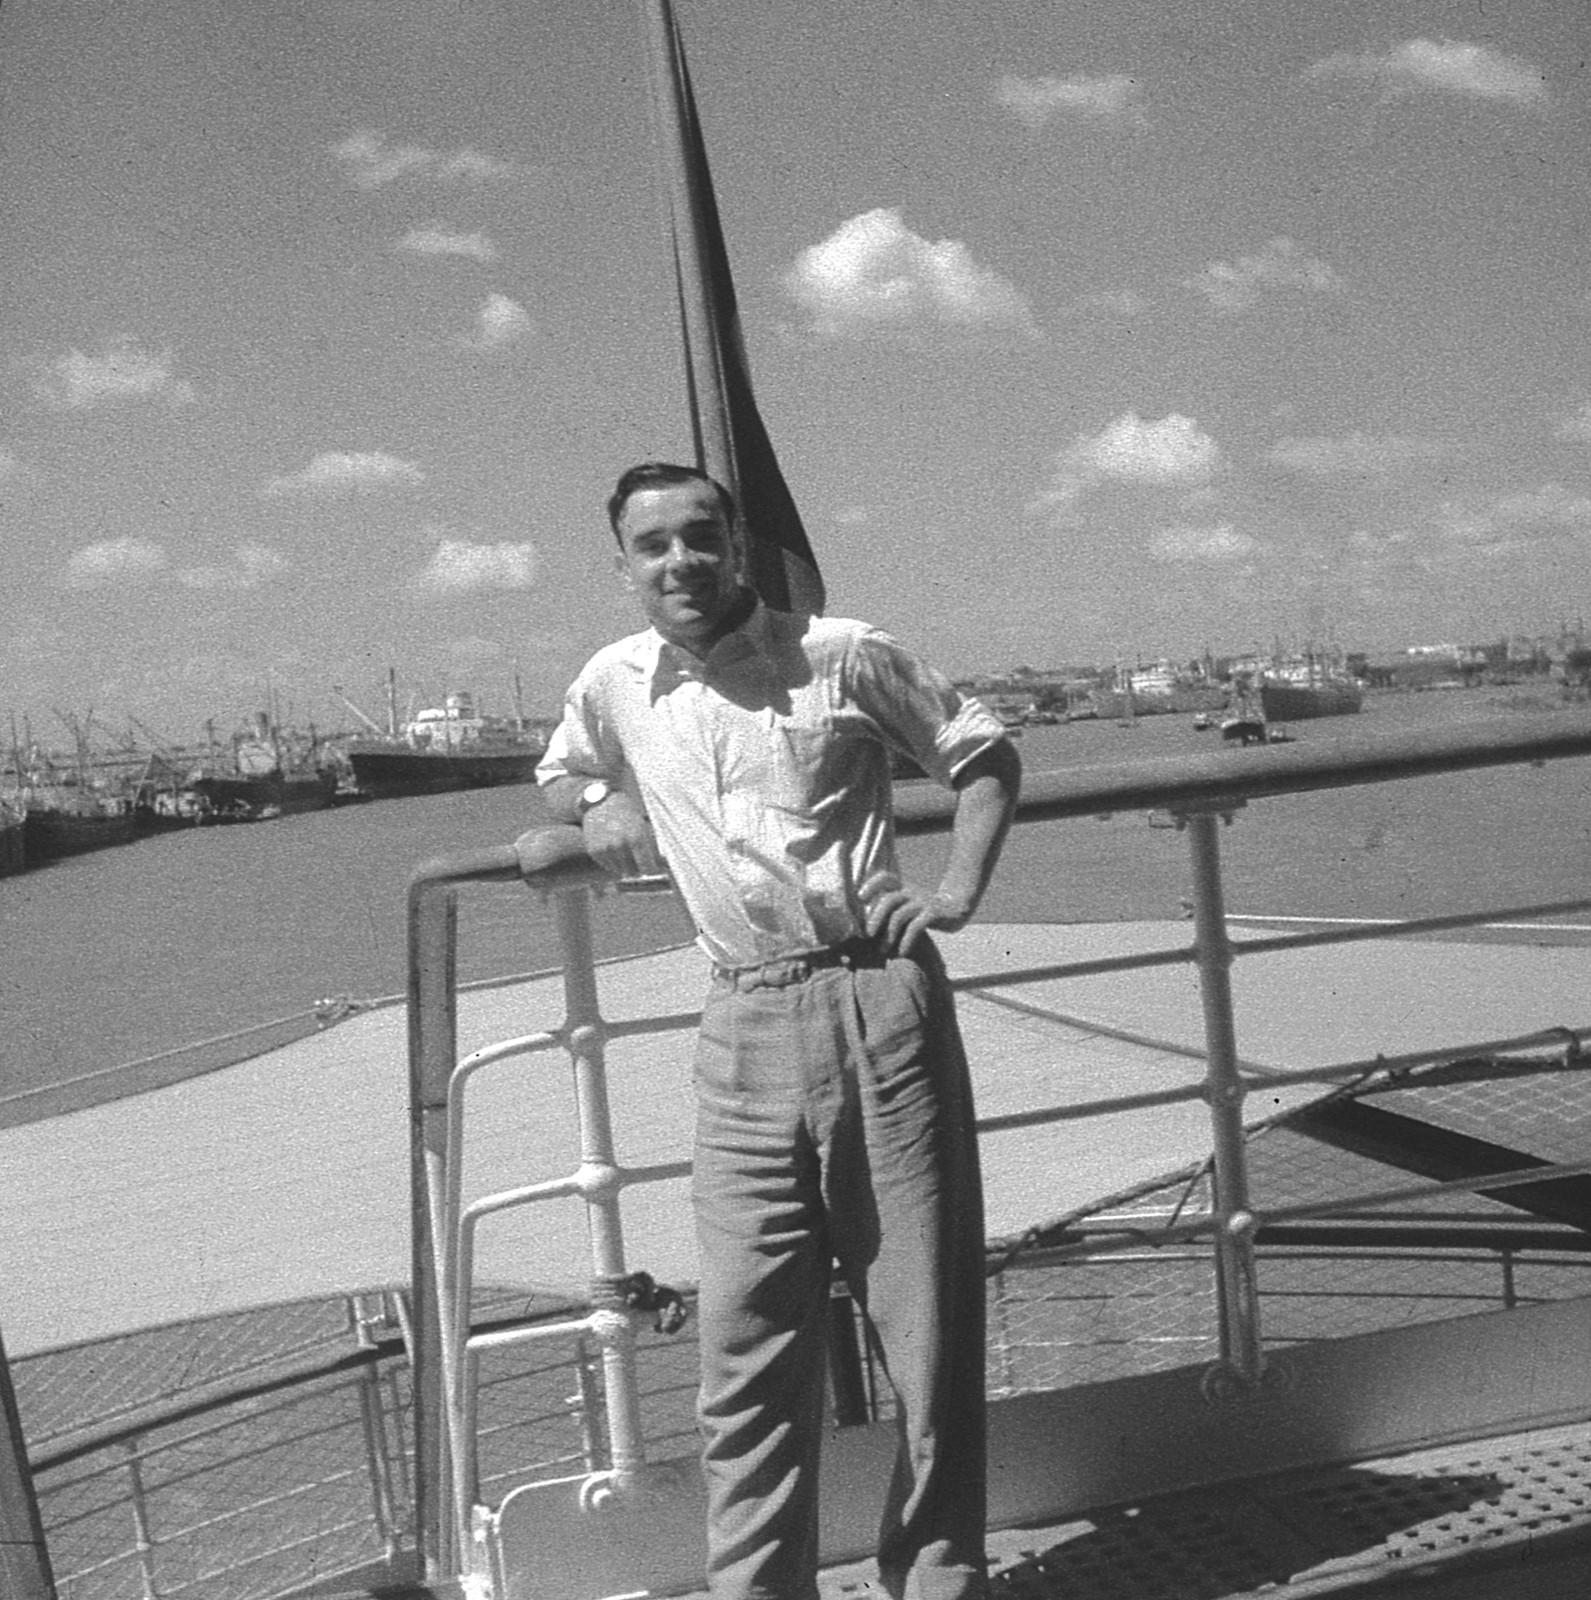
594, 794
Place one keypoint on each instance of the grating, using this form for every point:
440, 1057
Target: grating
1350, 1523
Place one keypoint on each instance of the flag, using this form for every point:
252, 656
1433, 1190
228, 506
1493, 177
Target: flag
731, 442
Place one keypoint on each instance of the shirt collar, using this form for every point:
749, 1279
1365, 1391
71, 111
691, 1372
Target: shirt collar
664, 663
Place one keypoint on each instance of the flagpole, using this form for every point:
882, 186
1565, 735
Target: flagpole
731, 442
704, 376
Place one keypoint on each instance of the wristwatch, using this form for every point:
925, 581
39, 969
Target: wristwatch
593, 794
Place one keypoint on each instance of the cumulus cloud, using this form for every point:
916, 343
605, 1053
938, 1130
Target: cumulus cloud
370, 159
439, 241
114, 561
1173, 453
133, 560
874, 275
121, 370
251, 566
499, 323
1577, 426
1035, 101
457, 566
1213, 544
1449, 65
1355, 453
1232, 286
1507, 521
340, 471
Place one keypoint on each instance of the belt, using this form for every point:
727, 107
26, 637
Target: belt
798, 968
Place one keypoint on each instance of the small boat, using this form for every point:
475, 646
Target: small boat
1243, 728
1244, 722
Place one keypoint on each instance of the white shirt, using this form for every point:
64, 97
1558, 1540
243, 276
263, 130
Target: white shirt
765, 769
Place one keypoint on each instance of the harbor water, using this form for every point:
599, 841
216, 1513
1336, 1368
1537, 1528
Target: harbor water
120, 956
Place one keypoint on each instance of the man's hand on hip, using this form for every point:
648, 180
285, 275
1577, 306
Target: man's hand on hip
898, 914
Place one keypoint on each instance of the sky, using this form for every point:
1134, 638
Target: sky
1083, 331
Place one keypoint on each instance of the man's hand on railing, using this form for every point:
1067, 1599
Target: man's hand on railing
619, 838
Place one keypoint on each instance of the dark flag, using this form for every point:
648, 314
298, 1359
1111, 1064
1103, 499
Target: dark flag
731, 442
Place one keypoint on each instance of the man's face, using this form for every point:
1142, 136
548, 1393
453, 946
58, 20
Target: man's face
679, 559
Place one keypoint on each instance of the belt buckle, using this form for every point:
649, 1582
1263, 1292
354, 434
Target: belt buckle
785, 973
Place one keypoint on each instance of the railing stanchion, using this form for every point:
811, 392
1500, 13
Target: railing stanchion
1234, 1238
601, 1184
433, 1051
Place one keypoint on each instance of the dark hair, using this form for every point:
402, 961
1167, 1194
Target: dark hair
663, 475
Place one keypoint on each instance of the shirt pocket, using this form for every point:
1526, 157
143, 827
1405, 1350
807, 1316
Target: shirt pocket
807, 759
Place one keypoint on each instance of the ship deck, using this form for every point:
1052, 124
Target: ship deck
174, 1204
124, 1222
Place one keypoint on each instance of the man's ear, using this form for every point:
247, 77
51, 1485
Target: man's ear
621, 569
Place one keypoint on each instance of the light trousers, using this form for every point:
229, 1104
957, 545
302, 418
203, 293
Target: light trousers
835, 1122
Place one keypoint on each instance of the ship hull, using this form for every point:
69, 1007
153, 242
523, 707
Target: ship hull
273, 794
13, 849
386, 774
1298, 702
49, 834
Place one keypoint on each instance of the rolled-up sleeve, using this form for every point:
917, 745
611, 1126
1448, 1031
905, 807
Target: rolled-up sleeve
917, 709
582, 745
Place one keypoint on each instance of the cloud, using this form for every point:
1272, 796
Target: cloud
132, 560
1450, 66
499, 323
114, 561
1577, 426
252, 565
1036, 101
122, 370
874, 275
439, 241
1510, 521
1359, 454
1173, 453
457, 566
1232, 286
370, 159
1214, 544
337, 471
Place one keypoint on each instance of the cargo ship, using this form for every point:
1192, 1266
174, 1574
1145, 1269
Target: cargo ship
271, 774
1299, 689
445, 747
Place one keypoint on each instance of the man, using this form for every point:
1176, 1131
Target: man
834, 1113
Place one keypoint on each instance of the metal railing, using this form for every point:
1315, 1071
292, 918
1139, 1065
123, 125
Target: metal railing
239, 1479
1197, 792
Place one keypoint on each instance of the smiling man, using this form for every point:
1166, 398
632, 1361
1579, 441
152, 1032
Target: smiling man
749, 750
